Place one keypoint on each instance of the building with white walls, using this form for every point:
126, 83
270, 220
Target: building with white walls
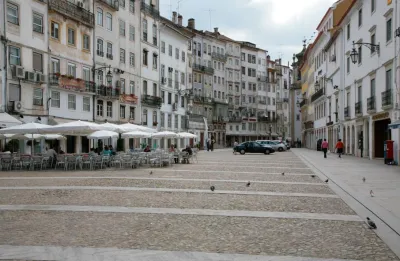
24, 60
271, 118
282, 100
175, 75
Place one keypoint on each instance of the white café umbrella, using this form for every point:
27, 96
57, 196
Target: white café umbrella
186, 135
136, 134
164, 134
99, 135
33, 136
52, 137
134, 127
115, 127
77, 128
27, 128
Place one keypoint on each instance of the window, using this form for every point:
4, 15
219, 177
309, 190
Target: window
132, 87
131, 33
12, 13
122, 3
86, 42
55, 99
86, 73
348, 31
182, 101
154, 89
132, 59
145, 58
359, 55
86, 103
132, 6
14, 55
109, 51
373, 6
169, 98
122, 82
100, 16
145, 30
162, 46
122, 111
348, 64
37, 23
122, 55
372, 87
132, 113
38, 97
37, 62
182, 78
170, 50
71, 36
100, 47
71, 102
109, 109
373, 39
183, 56
121, 28
169, 121
359, 17
55, 65
388, 79
176, 121
154, 34
72, 69
100, 108
144, 117
55, 33
177, 53
389, 30
145, 87
109, 21
155, 58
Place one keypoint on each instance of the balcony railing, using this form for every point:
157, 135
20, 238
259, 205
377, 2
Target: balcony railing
267, 120
235, 119
303, 102
150, 10
387, 98
114, 4
218, 56
358, 108
202, 68
347, 112
108, 91
196, 118
371, 104
151, 100
317, 94
218, 119
73, 84
73, 11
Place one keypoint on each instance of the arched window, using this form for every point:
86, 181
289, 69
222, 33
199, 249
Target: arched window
100, 16
109, 21
100, 47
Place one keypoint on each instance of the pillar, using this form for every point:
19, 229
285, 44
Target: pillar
78, 144
370, 138
365, 140
355, 146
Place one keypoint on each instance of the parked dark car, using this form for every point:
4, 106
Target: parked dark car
253, 147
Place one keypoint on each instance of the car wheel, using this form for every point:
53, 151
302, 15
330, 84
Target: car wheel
267, 152
280, 149
242, 152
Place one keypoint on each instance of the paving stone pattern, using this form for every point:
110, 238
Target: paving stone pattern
175, 232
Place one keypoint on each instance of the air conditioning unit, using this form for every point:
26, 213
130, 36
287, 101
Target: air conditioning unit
175, 106
17, 106
19, 71
30, 76
40, 77
170, 69
79, 4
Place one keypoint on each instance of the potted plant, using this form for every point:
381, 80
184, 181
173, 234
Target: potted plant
63, 75
132, 95
78, 79
57, 74
70, 77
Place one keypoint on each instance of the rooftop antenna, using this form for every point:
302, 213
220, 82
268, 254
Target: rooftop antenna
209, 11
178, 6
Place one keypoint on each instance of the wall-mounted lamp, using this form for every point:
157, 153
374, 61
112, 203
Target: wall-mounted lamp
354, 54
335, 87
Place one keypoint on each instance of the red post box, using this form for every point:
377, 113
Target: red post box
389, 158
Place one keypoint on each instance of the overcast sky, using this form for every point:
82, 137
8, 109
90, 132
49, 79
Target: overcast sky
278, 26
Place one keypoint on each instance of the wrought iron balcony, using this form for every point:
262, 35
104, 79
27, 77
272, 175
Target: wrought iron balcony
108, 91
267, 120
203, 69
113, 4
387, 98
72, 11
218, 119
303, 102
196, 118
358, 108
347, 112
151, 100
150, 10
235, 119
218, 56
73, 84
371, 106
317, 94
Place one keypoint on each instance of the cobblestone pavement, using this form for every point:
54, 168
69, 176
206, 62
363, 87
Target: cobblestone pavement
223, 235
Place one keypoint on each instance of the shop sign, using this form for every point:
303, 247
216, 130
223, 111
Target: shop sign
380, 116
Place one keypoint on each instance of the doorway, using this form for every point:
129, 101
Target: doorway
85, 144
71, 144
382, 133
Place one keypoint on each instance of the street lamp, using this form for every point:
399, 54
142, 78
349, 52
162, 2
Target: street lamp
354, 54
270, 131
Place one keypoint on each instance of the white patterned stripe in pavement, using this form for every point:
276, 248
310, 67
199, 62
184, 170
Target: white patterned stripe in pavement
173, 190
170, 179
233, 172
178, 211
116, 254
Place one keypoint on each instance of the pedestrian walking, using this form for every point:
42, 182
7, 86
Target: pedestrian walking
212, 143
339, 147
324, 147
208, 144
234, 146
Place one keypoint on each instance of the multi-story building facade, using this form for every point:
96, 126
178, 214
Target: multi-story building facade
24, 62
282, 99
272, 83
175, 76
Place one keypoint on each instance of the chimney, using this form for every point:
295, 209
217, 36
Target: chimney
268, 57
180, 20
174, 17
191, 23
216, 30
280, 61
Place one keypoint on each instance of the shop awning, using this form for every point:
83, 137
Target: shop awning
6, 120
394, 125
